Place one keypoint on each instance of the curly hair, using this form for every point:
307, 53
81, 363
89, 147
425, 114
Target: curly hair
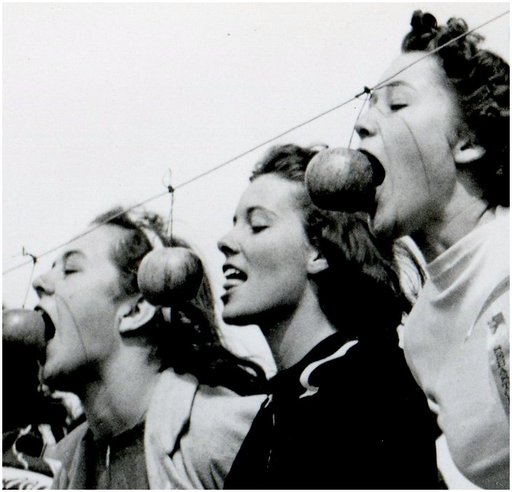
190, 342
361, 266
480, 79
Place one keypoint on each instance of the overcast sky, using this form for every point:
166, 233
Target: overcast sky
100, 100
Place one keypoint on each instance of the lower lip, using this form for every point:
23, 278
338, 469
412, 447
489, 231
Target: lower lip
375, 204
225, 297
227, 291
49, 342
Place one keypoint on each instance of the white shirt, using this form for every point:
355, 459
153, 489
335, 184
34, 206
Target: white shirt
456, 343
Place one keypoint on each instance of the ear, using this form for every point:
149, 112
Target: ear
466, 152
316, 262
135, 315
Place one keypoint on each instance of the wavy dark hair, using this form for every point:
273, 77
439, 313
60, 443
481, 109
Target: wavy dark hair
480, 79
190, 343
360, 291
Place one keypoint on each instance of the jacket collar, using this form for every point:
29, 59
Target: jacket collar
288, 382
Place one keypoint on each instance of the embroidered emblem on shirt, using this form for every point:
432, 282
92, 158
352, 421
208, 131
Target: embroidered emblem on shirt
501, 364
496, 320
497, 292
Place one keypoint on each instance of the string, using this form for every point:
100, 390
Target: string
262, 144
87, 231
430, 53
368, 93
266, 142
170, 220
185, 183
34, 261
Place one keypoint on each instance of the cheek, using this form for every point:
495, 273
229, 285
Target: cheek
90, 312
418, 147
283, 267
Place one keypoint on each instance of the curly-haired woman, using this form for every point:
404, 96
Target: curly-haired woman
439, 125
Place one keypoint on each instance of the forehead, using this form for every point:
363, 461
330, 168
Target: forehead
415, 70
96, 244
272, 192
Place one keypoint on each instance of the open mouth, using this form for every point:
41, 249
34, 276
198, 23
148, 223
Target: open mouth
234, 276
378, 172
49, 326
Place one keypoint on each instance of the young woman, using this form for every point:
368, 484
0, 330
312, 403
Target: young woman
160, 393
344, 411
439, 125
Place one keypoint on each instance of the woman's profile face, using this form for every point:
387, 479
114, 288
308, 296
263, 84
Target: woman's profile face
79, 294
411, 127
266, 253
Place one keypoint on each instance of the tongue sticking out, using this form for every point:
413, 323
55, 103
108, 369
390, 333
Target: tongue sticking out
23, 327
344, 180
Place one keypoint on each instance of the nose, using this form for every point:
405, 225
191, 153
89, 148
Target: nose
227, 245
365, 125
44, 285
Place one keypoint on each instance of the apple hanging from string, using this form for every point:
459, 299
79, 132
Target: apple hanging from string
169, 275
344, 180
24, 327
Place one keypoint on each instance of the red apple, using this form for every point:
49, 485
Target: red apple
169, 275
341, 179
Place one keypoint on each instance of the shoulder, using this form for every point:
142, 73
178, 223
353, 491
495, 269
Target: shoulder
203, 417
232, 413
371, 375
371, 360
495, 238
219, 421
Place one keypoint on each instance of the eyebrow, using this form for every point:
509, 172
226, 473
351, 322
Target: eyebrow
68, 254
256, 208
389, 85
393, 84
259, 208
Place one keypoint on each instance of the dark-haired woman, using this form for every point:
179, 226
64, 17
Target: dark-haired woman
161, 395
439, 125
344, 411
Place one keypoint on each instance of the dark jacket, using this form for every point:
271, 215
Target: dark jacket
358, 421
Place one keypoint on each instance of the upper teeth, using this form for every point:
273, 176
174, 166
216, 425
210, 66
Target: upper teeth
231, 271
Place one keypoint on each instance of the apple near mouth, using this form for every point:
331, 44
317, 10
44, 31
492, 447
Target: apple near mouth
344, 180
24, 327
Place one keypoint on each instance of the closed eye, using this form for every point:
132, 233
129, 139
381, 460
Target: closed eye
397, 107
258, 228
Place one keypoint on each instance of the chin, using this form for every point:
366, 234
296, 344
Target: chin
235, 317
55, 381
384, 228
59, 379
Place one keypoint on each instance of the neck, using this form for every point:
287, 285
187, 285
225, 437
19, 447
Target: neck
119, 398
293, 337
463, 213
